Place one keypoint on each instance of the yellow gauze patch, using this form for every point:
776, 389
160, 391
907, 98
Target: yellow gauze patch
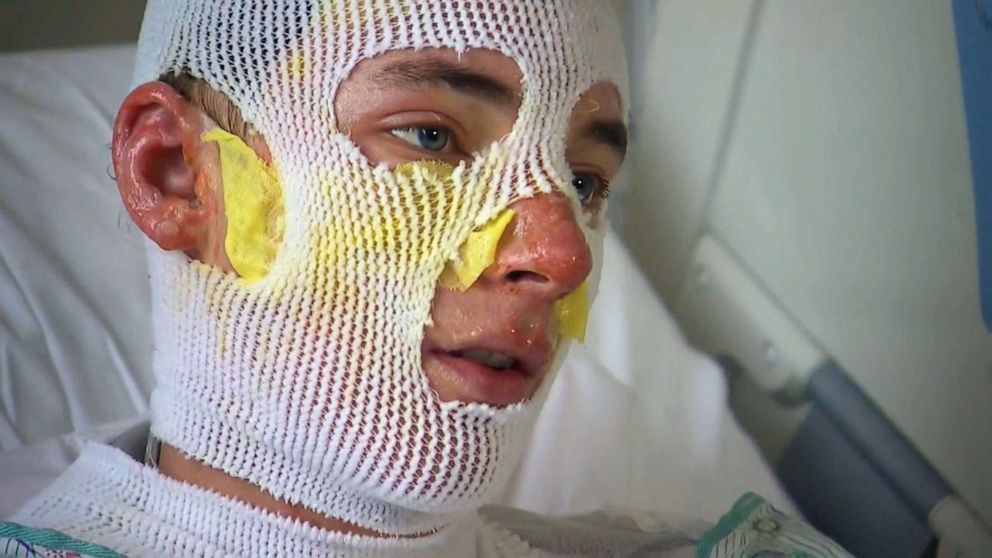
253, 204
476, 254
429, 171
297, 66
572, 314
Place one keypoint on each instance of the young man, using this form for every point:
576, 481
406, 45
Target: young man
374, 228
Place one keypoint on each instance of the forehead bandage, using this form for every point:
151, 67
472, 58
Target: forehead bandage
303, 375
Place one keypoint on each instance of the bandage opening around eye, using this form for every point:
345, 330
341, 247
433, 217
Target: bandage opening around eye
253, 205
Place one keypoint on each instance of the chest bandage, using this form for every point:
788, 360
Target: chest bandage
303, 375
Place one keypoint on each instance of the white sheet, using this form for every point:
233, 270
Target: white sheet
73, 309
637, 418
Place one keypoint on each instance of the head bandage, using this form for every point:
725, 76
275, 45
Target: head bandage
304, 375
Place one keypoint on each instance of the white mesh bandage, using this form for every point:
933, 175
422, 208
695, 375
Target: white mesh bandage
307, 380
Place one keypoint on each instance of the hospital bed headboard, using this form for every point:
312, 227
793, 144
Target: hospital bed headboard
849, 468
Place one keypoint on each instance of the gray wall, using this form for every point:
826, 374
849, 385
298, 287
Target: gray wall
35, 24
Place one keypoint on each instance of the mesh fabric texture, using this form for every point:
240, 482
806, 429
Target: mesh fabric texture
107, 498
308, 381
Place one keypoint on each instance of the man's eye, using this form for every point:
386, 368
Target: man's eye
431, 139
590, 186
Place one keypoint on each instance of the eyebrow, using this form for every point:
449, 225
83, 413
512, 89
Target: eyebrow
611, 133
417, 73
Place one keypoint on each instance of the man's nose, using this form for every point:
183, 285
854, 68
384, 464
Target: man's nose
543, 252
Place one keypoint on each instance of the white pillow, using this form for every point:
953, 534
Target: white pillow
74, 324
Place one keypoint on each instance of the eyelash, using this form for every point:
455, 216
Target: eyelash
604, 191
601, 188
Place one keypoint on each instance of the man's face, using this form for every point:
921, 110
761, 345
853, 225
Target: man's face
337, 350
493, 342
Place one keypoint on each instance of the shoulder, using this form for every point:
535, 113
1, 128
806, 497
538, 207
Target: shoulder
25, 472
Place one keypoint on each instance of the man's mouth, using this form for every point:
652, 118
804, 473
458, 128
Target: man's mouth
499, 373
496, 361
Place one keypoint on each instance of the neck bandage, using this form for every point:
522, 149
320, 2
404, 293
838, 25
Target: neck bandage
303, 375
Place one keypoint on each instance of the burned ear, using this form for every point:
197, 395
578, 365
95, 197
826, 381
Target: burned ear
156, 135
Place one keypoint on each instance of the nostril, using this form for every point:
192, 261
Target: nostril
521, 276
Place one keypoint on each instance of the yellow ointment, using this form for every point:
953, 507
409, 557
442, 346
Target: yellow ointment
337, 14
476, 254
297, 66
572, 314
429, 171
253, 204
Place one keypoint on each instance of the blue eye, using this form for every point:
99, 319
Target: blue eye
430, 139
589, 186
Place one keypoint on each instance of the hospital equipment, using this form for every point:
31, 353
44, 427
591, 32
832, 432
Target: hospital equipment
805, 200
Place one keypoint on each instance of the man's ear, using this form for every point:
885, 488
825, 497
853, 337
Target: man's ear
156, 143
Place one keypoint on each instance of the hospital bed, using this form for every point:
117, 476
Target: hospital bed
637, 419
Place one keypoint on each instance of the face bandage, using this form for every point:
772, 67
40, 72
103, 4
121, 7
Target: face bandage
303, 376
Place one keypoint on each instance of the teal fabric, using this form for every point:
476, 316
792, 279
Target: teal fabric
753, 528
737, 515
17, 540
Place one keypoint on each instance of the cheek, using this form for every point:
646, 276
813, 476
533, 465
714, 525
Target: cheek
572, 314
215, 253
252, 206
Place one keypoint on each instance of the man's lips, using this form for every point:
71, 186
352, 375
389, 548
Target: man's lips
500, 371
